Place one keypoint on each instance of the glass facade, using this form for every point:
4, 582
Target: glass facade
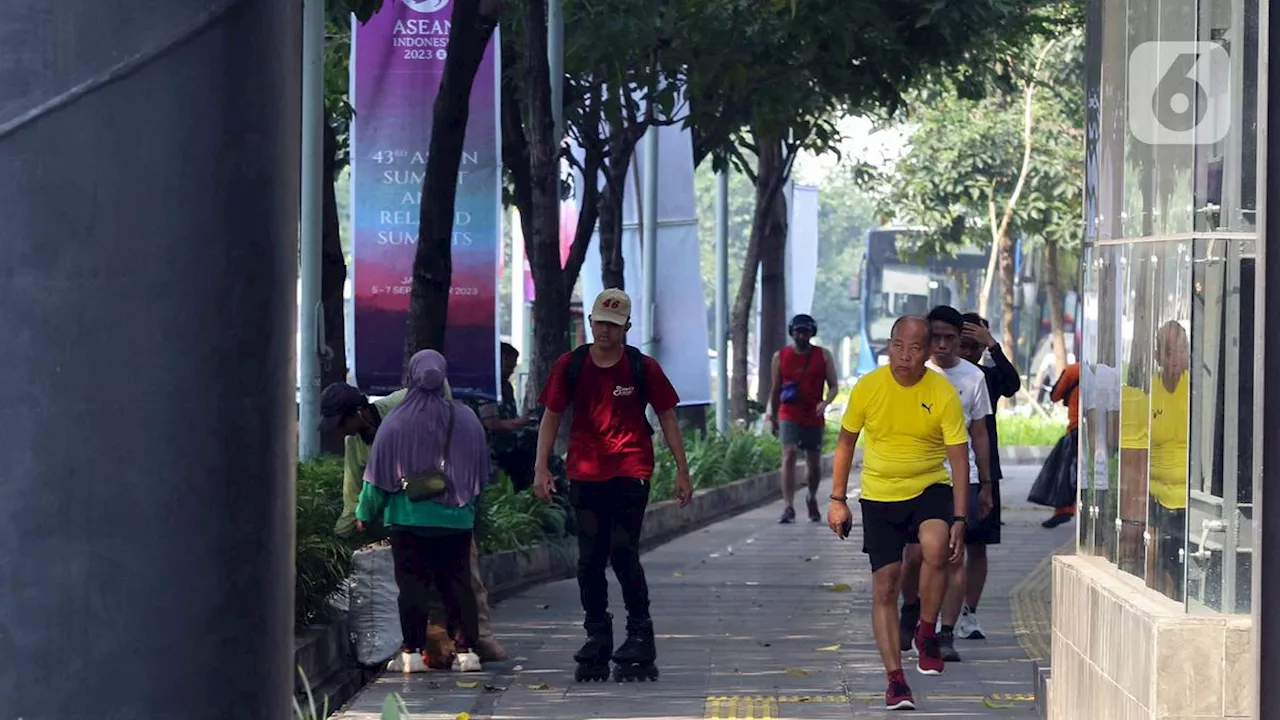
1167, 461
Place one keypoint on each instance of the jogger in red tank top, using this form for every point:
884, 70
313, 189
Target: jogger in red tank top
798, 410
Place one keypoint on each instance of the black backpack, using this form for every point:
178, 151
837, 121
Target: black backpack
635, 359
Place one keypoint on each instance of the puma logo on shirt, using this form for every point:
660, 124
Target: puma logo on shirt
927, 408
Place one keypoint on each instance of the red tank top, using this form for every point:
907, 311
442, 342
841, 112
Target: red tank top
809, 372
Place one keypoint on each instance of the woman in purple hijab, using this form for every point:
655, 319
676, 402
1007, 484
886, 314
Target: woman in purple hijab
429, 436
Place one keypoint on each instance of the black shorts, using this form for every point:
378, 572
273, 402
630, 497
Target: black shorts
1169, 527
887, 527
985, 531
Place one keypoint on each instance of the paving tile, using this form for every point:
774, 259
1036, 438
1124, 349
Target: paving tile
748, 615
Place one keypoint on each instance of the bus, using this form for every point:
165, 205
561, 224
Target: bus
892, 280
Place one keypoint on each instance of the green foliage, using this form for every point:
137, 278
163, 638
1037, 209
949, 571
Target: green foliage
509, 520
966, 157
323, 560
715, 460
1029, 431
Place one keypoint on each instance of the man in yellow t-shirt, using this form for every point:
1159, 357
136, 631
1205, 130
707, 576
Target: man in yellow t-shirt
913, 421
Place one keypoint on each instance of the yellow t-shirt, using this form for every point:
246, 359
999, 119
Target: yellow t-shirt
907, 431
1170, 426
1135, 409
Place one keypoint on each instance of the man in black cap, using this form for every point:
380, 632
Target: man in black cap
347, 410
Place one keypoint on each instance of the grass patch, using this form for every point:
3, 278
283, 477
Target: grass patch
1029, 431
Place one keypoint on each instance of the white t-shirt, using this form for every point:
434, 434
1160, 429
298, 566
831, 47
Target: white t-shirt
969, 380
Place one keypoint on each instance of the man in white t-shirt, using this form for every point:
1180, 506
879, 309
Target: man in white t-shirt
946, 324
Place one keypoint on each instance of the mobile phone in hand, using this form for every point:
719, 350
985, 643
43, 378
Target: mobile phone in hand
846, 528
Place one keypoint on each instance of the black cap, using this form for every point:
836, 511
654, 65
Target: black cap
803, 322
338, 401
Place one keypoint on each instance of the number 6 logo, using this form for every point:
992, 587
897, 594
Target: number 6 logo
612, 304
1175, 89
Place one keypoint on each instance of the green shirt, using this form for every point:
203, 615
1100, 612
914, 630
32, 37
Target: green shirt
356, 457
397, 510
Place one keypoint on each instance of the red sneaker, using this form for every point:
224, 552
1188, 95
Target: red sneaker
928, 653
898, 695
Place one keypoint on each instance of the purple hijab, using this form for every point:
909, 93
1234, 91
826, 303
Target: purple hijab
411, 438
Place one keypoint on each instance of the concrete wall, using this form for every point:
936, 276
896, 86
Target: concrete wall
1122, 651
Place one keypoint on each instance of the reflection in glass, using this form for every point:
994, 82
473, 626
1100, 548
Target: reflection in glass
1135, 407
1087, 515
1220, 507
1170, 422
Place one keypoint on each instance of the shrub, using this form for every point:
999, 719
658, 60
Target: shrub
323, 560
1029, 431
715, 460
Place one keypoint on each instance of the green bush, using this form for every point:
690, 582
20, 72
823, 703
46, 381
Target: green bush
715, 460
1029, 431
323, 560
510, 520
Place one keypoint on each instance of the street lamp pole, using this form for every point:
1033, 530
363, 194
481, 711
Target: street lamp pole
722, 302
310, 237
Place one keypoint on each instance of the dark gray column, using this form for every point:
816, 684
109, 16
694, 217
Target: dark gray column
148, 234
1266, 498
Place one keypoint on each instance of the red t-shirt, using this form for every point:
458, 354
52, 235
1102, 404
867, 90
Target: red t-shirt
811, 380
609, 436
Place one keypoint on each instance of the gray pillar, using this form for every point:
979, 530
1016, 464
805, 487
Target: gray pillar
149, 224
1266, 496
722, 302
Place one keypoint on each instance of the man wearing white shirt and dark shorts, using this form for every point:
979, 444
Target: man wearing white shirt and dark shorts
946, 325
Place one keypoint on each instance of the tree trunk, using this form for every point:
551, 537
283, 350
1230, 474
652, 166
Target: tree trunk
612, 199
773, 274
767, 189
542, 226
1007, 338
333, 277
1053, 290
469, 37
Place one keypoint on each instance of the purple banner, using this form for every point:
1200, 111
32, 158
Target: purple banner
397, 60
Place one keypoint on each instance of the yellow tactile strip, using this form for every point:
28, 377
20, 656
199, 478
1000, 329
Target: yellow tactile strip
765, 707
759, 707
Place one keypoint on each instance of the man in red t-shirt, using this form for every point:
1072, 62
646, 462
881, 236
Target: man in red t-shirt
799, 410
610, 459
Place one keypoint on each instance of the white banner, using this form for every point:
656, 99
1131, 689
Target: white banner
802, 250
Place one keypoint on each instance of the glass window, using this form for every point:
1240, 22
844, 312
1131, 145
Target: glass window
1169, 427
1220, 507
1099, 403
1136, 333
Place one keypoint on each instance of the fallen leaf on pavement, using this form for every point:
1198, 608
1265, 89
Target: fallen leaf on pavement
841, 587
830, 648
677, 574
797, 672
988, 702
468, 685
462, 716
541, 686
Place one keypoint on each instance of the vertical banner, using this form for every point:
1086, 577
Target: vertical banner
397, 60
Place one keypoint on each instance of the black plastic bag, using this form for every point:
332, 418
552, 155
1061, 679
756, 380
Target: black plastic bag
1055, 486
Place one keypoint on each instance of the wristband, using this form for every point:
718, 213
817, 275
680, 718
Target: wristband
959, 519
842, 499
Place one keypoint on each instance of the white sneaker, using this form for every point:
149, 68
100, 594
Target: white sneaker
407, 662
466, 662
968, 627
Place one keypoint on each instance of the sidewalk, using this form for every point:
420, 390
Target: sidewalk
754, 620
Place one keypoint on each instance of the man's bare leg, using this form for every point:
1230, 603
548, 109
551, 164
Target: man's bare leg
976, 575
910, 584
789, 456
934, 537
813, 478
884, 614
953, 600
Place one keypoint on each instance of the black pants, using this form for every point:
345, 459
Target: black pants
610, 515
442, 559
